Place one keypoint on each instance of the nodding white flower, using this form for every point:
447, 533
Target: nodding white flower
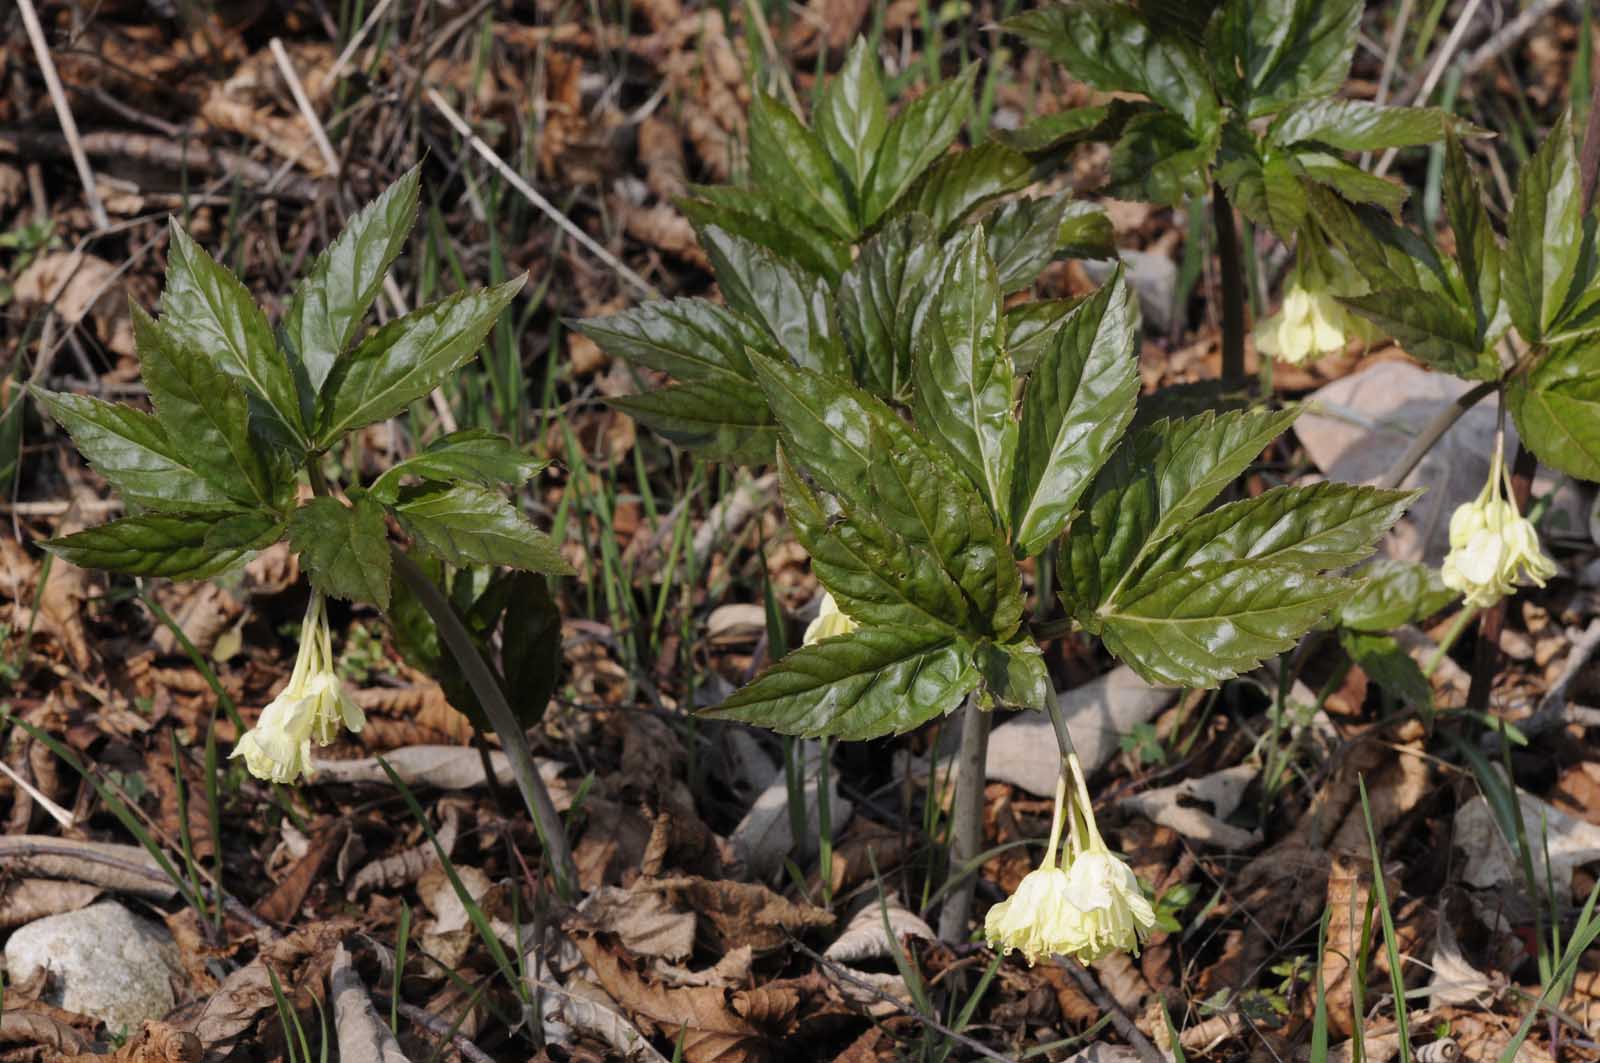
1492, 545
829, 622
1310, 324
312, 705
1088, 906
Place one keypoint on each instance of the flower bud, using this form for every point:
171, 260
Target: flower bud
1310, 324
1492, 545
829, 622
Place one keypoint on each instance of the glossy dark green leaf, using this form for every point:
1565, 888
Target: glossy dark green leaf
768, 218
1428, 326
1188, 17
915, 138
693, 339
1111, 46
132, 451
150, 544
1076, 406
206, 308
876, 575
793, 305
880, 300
206, 415
1025, 234
325, 312
1386, 254
785, 155
344, 549
1392, 594
406, 359
1160, 158
1283, 197
1031, 329
1557, 407
719, 424
1544, 237
867, 684
473, 454
465, 524
1267, 54
1477, 249
1054, 133
1200, 626
1361, 125
1014, 673
856, 447
1324, 525
964, 378
1389, 666
851, 115
1156, 482
245, 531
1352, 182
960, 183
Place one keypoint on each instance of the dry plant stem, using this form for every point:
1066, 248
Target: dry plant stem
1231, 266
1148, 1053
966, 822
1431, 432
546, 820
58, 99
319, 136
440, 1028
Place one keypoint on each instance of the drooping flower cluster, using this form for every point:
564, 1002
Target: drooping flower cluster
1088, 905
830, 621
1311, 323
1492, 545
312, 706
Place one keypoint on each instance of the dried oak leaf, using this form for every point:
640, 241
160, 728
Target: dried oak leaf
22, 900
300, 961
19, 1026
157, 1042
744, 913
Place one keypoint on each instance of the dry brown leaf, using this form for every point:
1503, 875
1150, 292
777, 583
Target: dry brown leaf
438, 768
22, 900
584, 1008
202, 611
410, 864
79, 285
867, 938
283, 903
157, 1042
363, 1037
642, 920
300, 962
744, 913
21, 1026
120, 868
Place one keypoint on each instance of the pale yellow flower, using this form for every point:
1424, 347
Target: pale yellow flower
829, 622
1090, 905
312, 705
1492, 545
1310, 324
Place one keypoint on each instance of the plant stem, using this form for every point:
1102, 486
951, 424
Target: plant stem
966, 822
1432, 431
546, 820
1231, 264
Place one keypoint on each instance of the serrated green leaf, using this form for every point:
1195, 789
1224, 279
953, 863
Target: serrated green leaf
1324, 525
1200, 626
1428, 326
766, 218
473, 454
406, 359
1361, 125
205, 415
150, 544
958, 184
1014, 673
1352, 182
1161, 159
1283, 196
1477, 250
856, 447
851, 115
881, 299
1031, 329
964, 379
1158, 480
785, 155
1391, 667
915, 138
1025, 234
465, 524
869, 683
1112, 47
1054, 133
245, 531
693, 339
325, 312
1075, 408
719, 424
1556, 406
344, 549
132, 451
1385, 253
1393, 593
1544, 237
205, 307
1267, 54
877, 577
790, 303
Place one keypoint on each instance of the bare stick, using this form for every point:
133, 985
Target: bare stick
515, 180
1440, 63
355, 42
58, 98
1507, 37
318, 135
966, 822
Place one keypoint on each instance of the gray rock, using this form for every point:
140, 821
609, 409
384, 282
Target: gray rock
103, 961
1155, 281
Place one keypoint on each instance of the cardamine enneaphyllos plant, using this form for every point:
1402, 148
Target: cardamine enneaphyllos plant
245, 414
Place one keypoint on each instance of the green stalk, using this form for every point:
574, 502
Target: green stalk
1231, 265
